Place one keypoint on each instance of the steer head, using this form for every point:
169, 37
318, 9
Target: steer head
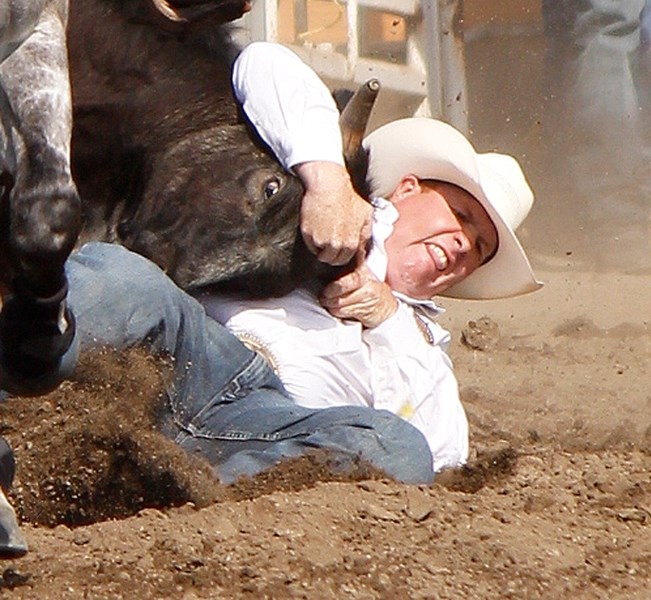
218, 209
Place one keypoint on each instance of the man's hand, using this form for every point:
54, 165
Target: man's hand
335, 220
361, 296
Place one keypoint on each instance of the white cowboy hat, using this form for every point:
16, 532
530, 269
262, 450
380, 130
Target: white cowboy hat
431, 149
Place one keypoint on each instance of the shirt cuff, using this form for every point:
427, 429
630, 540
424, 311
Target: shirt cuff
320, 139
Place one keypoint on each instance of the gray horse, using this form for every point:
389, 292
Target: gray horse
39, 212
40, 208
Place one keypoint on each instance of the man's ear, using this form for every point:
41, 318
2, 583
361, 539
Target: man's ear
408, 186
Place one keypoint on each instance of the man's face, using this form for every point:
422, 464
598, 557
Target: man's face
442, 235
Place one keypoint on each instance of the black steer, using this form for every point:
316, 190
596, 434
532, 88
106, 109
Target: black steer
161, 156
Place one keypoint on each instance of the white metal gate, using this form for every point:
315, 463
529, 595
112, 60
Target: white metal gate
413, 48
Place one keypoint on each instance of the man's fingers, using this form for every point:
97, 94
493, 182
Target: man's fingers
331, 293
351, 282
356, 304
335, 257
344, 285
344, 256
326, 253
334, 252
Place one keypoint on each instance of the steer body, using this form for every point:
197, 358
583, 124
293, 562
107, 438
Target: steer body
163, 161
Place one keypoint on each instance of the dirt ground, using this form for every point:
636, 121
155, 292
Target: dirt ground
556, 500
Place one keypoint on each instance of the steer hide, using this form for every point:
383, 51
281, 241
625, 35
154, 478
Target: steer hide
163, 160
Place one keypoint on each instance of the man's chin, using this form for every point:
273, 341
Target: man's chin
416, 291
419, 293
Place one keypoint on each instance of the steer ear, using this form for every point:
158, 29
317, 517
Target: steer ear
353, 122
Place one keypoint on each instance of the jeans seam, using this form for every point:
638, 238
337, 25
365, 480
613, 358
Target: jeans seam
239, 436
230, 392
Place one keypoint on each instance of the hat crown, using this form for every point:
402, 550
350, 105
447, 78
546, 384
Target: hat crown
435, 150
504, 183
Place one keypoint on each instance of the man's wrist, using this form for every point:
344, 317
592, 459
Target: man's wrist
321, 176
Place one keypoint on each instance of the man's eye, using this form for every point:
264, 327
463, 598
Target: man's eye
461, 216
271, 188
486, 253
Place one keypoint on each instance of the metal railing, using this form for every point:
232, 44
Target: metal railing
412, 46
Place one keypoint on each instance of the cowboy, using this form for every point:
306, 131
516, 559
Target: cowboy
443, 224
231, 402
378, 384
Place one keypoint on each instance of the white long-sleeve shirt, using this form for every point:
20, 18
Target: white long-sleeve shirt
401, 365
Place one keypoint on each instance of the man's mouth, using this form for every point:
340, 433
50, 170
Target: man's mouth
440, 257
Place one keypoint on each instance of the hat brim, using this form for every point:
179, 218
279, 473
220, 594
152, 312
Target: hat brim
431, 149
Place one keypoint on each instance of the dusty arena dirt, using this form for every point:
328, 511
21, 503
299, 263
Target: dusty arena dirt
556, 500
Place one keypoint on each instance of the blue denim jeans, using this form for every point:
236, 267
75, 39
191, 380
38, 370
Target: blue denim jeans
224, 401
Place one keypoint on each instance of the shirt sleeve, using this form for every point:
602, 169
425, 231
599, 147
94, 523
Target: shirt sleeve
288, 104
413, 378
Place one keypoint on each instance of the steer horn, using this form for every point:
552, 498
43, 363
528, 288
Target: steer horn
178, 14
353, 122
164, 8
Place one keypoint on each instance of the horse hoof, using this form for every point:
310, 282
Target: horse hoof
12, 541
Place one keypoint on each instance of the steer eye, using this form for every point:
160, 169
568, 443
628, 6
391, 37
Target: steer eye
271, 188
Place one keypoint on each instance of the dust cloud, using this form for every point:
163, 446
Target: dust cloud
570, 97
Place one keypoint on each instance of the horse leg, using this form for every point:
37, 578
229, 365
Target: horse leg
44, 208
44, 205
18, 18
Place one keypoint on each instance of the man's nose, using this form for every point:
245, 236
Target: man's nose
462, 243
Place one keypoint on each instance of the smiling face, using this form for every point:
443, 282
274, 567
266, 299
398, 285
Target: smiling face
442, 235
